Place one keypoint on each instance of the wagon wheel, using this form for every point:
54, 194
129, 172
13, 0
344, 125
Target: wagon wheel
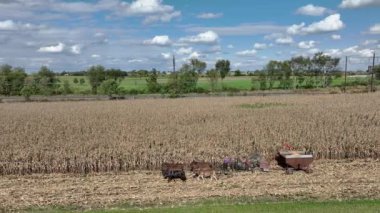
289, 171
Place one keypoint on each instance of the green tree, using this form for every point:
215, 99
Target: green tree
286, 74
47, 81
11, 80
5, 69
142, 73
151, 81
262, 80
33, 84
198, 65
213, 76
82, 81
110, 87
188, 78
96, 75
27, 91
66, 88
184, 81
18, 77
237, 73
223, 67
300, 67
273, 70
75, 81
173, 85
115, 74
324, 65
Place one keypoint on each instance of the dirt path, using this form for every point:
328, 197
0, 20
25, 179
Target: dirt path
330, 180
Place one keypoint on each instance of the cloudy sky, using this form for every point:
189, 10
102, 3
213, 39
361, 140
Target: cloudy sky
143, 34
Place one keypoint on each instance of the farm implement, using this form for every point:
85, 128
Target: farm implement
294, 160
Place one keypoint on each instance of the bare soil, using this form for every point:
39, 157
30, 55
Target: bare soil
331, 179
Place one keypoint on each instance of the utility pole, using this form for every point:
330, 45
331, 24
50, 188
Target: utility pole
173, 63
345, 74
373, 70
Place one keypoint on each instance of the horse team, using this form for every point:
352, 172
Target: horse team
202, 170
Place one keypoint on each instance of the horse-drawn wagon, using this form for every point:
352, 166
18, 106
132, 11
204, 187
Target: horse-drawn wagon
295, 160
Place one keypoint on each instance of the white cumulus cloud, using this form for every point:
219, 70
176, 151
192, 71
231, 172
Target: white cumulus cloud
306, 44
311, 10
195, 55
184, 51
313, 51
11, 25
331, 23
370, 42
284, 40
295, 29
359, 3
356, 51
365, 53
7, 25
160, 40
375, 29
247, 53
147, 6
333, 52
149, 10
260, 46
166, 55
76, 49
209, 37
52, 49
153, 10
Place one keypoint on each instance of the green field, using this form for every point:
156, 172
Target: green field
239, 83
128, 83
362, 206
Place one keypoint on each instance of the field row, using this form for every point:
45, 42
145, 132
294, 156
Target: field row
85, 137
331, 180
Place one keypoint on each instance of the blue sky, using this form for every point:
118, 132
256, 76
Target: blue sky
143, 34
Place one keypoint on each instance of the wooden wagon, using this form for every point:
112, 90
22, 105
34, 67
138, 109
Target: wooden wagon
294, 160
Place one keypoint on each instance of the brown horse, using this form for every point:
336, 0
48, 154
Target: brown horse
203, 170
198, 164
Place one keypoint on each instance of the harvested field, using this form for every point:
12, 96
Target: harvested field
86, 137
332, 179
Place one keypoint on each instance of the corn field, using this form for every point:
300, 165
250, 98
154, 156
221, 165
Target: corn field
113, 136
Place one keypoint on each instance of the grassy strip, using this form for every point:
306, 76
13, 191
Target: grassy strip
261, 105
238, 83
229, 206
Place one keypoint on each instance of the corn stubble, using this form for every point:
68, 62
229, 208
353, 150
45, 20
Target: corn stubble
87, 137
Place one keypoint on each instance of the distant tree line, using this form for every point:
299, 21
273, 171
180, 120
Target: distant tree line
297, 72
185, 80
15, 81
